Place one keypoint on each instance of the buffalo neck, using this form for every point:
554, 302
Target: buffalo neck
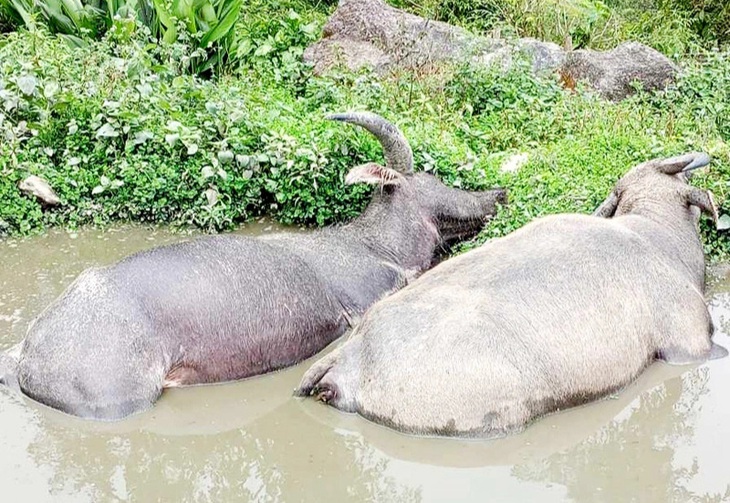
675, 231
396, 228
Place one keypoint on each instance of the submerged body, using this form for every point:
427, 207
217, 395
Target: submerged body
194, 313
561, 312
228, 307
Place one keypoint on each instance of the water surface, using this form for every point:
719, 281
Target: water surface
664, 439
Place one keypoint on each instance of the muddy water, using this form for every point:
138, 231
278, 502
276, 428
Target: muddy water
664, 439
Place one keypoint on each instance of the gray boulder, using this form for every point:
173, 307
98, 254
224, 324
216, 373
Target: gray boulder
544, 55
371, 33
37, 187
612, 73
337, 51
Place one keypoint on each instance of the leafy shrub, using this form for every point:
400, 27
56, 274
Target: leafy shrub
277, 47
205, 27
493, 90
709, 20
122, 130
124, 142
582, 23
306, 180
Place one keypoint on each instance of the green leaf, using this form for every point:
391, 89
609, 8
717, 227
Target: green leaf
23, 12
263, 50
723, 223
227, 19
107, 131
207, 12
27, 84
73, 41
163, 15
243, 48
212, 61
183, 9
170, 35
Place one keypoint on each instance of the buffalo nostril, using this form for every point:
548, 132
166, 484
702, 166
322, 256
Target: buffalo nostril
325, 395
500, 196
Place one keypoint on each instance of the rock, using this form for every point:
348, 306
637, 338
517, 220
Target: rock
38, 187
371, 33
336, 51
514, 163
544, 55
612, 73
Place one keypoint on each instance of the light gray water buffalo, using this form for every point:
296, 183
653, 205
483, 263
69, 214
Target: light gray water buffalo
561, 312
228, 307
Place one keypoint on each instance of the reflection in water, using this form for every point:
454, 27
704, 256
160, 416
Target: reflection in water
633, 458
662, 439
271, 459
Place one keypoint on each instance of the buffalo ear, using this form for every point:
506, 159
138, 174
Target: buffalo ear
686, 163
704, 200
373, 173
608, 207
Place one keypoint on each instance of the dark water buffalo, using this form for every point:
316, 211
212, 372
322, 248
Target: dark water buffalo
228, 307
561, 312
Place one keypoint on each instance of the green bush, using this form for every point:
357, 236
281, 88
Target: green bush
122, 138
205, 28
118, 140
670, 26
553, 20
276, 47
709, 20
123, 131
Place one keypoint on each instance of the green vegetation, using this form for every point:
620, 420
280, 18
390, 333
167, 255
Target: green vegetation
670, 26
126, 126
205, 27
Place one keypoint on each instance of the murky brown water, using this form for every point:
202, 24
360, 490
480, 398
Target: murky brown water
665, 439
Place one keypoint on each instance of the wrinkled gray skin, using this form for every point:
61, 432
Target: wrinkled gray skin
561, 312
228, 307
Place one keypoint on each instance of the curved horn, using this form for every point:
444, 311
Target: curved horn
608, 207
398, 153
685, 163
